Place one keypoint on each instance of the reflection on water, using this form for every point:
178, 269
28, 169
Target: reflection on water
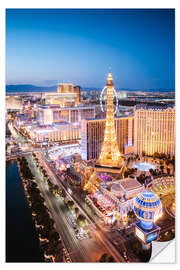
22, 243
144, 166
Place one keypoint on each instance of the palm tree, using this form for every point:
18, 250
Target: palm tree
168, 171
162, 167
71, 205
81, 220
76, 211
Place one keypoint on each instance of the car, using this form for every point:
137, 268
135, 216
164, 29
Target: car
125, 255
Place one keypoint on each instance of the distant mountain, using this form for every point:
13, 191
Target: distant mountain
34, 88
30, 88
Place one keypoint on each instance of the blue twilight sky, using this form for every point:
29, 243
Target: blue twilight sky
46, 46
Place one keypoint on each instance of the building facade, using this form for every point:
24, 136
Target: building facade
48, 114
122, 194
154, 131
67, 95
92, 135
63, 132
65, 88
62, 99
77, 90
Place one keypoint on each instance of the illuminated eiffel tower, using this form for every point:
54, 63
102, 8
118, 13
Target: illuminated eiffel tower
110, 155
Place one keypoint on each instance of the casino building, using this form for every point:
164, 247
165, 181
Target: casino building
57, 132
154, 130
67, 95
48, 114
115, 196
13, 103
121, 194
92, 136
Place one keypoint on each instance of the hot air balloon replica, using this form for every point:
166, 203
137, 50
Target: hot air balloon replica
148, 209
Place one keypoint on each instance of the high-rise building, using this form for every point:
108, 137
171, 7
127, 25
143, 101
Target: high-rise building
65, 88
154, 130
77, 90
92, 136
110, 155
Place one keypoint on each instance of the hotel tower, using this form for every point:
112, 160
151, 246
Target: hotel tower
154, 130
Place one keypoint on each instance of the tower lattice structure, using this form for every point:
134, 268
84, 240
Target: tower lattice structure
110, 155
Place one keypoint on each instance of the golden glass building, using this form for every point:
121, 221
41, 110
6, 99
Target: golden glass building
154, 130
65, 88
92, 136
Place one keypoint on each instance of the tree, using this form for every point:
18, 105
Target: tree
143, 153
111, 259
162, 167
63, 194
103, 258
76, 211
156, 155
130, 214
168, 171
71, 205
81, 220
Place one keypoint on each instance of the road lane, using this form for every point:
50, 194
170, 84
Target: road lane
78, 249
100, 235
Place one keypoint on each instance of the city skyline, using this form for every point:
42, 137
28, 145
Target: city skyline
98, 189
80, 46
90, 135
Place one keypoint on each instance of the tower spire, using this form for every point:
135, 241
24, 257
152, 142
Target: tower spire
110, 155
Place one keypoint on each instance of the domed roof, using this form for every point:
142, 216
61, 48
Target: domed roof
147, 206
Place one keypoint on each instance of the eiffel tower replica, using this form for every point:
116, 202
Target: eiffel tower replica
110, 157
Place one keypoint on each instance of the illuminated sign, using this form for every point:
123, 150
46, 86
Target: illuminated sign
151, 237
140, 234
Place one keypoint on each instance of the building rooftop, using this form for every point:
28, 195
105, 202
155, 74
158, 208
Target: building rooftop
57, 106
116, 117
130, 183
154, 107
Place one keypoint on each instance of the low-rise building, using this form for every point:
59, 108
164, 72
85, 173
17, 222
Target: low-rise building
48, 114
57, 132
